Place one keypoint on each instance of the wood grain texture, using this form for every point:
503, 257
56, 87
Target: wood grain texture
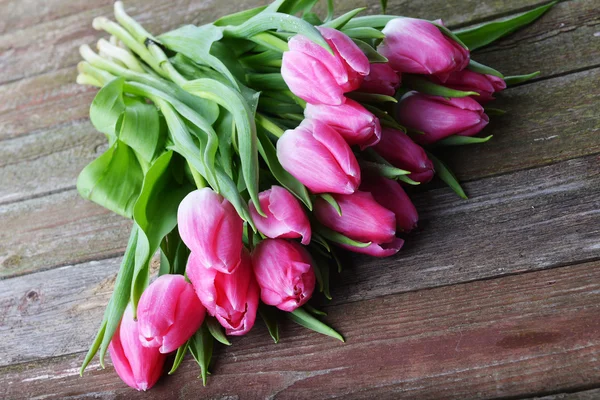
531, 333
593, 394
532, 220
564, 39
53, 45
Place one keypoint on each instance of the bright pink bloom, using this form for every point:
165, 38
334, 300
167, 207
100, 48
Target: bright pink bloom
211, 228
382, 80
318, 77
138, 366
318, 156
390, 194
417, 46
363, 220
438, 117
231, 298
285, 216
169, 313
284, 273
469, 81
351, 120
399, 150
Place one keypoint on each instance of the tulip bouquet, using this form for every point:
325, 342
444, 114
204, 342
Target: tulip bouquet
248, 150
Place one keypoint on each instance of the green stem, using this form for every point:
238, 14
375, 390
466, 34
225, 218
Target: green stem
268, 125
132, 26
270, 41
198, 179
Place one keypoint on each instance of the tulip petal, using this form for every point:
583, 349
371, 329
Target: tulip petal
378, 249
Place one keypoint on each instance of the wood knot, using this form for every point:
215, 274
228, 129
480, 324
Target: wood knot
32, 295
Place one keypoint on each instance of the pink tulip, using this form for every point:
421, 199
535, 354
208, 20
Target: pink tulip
351, 120
138, 366
317, 76
399, 150
169, 313
382, 80
318, 156
363, 220
285, 216
417, 46
284, 273
390, 194
211, 228
469, 81
438, 117
231, 298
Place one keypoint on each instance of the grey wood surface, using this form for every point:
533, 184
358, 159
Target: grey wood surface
496, 296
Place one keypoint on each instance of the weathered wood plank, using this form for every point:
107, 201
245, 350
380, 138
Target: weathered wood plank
537, 130
53, 45
593, 394
57, 230
531, 220
24, 14
565, 39
512, 336
39, 103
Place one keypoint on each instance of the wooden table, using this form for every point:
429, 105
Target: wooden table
497, 296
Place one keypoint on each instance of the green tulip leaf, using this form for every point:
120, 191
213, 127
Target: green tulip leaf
243, 116
483, 69
425, 86
339, 238
216, 330
179, 357
305, 319
456, 140
372, 54
514, 80
107, 108
372, 21
201, 347
489, 32
446, 175
141, 128
116, 305
288, 23
332, 202
363, 33
269, 316
239, 18
342, 20
195, 42
156, 215
113, 180
371, 97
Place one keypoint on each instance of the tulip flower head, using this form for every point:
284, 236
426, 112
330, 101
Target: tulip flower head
437, 117
417, 46
211, 228
231, 298
351, 120
285, 216
317, 76
363, 220
138, 366
318, 156
469, 81
382, 79
284, 272
402, 152
169, 313
390, 194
